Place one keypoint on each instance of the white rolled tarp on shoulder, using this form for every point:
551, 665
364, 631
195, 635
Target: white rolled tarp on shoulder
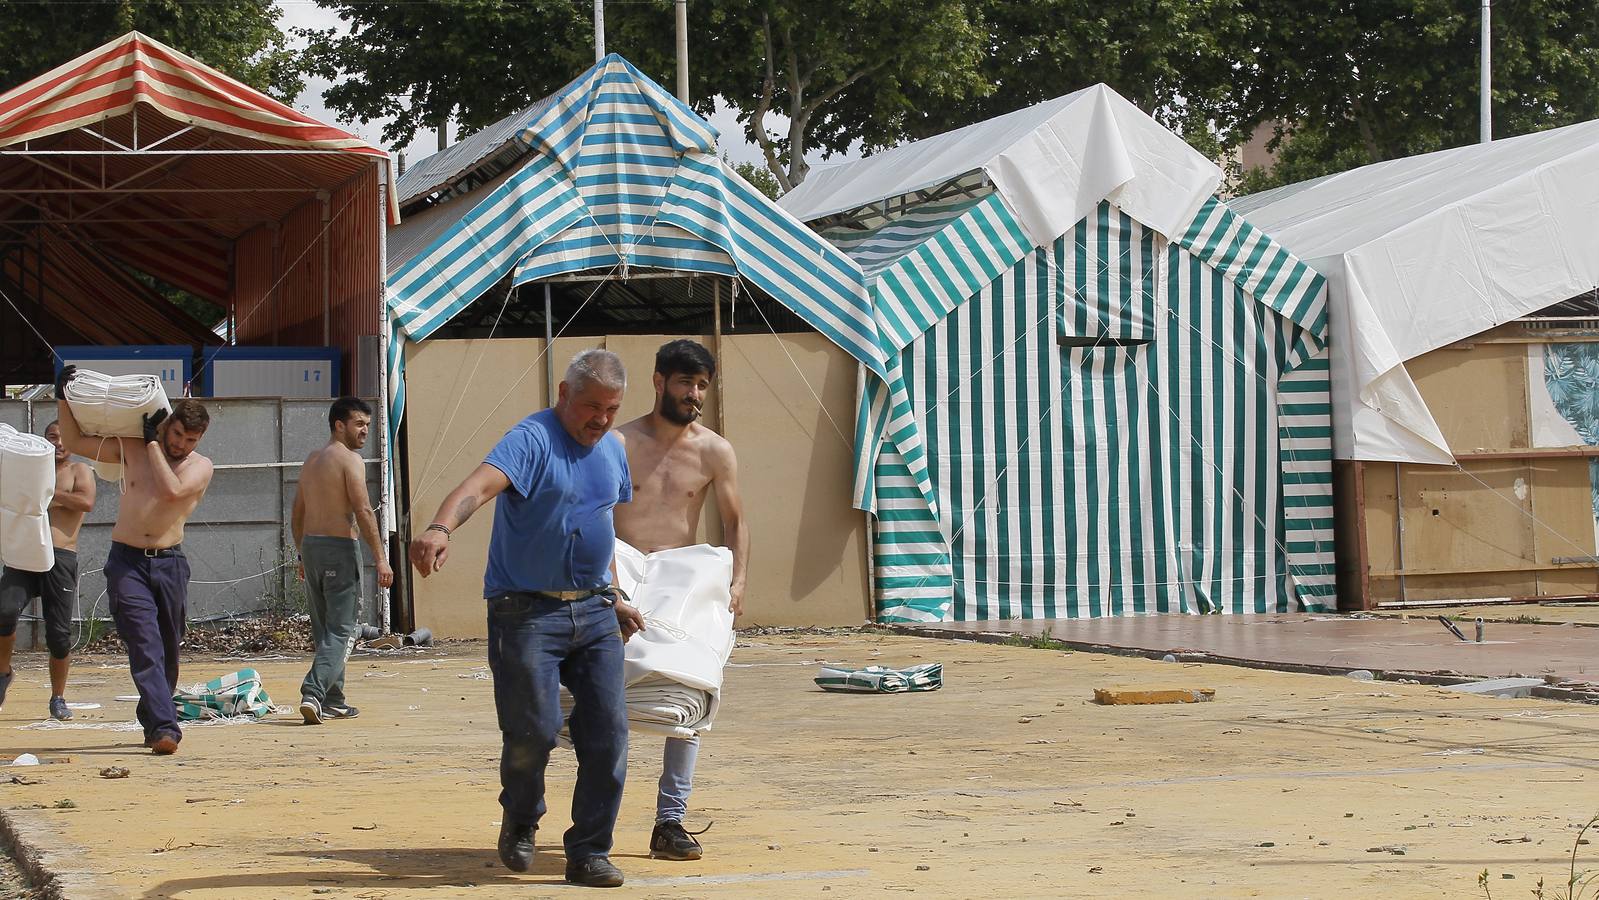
1422, 252
111, 406
27, 484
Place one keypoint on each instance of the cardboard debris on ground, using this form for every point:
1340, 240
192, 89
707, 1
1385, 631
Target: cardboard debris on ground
1114, 697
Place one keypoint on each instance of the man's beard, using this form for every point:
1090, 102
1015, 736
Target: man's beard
679, 412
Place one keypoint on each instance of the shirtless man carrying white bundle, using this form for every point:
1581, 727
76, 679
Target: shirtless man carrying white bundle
675, 462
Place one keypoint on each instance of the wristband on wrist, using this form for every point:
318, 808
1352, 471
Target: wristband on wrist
437, 527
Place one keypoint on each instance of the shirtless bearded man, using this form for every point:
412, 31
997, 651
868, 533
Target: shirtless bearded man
675, 462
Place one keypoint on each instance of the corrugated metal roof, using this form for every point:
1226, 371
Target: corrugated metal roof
449, 164
421, 228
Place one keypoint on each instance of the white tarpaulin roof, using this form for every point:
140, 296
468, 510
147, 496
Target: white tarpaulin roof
1422, 252
1053, 163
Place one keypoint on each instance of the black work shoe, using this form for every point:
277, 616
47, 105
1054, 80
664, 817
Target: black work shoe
339, 711
596, 871
516, 846
5, 682
311, 709
670, 841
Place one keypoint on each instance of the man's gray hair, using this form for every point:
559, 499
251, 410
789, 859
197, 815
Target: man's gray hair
596, 366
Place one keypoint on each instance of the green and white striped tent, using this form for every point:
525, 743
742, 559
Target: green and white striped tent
1106, 393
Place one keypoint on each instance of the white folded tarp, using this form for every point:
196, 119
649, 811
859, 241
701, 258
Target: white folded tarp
673, 668
1422, 252
27, 484
110, 406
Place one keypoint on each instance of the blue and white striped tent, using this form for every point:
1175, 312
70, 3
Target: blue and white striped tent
618, 175
1106, 393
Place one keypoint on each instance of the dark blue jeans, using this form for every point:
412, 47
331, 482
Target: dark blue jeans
149, 602
537, 644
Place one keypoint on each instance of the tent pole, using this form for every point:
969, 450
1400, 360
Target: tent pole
599, 30
387, 485
327, 277
1486, 98
549, 350
716, 338
1399, 529
682, 49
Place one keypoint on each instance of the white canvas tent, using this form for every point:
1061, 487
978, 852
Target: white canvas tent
1422, 252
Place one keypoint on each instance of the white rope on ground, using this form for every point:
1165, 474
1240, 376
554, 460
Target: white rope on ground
53, 725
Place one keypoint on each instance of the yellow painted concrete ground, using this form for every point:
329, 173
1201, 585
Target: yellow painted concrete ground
1007, 783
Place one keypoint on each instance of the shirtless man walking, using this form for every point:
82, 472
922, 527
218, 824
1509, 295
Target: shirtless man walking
146, 573
329, 505
675, 461
56, 589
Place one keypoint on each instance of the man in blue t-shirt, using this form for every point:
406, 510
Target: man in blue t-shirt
553, 618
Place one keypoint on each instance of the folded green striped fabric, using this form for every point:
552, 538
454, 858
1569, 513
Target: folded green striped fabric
237, 694
881, 679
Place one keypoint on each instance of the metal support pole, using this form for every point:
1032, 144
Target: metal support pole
327, 276
549, 347
277, 273
1486, 100
233, 294
599, 30
388, 519
721, 402
1399, 529
682, 49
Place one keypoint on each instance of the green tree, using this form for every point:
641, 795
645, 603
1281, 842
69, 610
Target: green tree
468, 61
840, 71
759, 178
1361, 81
1178, 60
239, 37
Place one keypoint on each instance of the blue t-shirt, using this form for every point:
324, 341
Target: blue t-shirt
552, 526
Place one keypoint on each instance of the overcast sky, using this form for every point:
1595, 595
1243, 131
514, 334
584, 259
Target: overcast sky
306, 14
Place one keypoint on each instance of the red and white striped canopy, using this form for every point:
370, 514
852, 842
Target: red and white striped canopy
107, 81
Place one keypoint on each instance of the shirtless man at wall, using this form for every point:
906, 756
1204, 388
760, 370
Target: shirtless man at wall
146, 573
675, 462
329, 504
56, 589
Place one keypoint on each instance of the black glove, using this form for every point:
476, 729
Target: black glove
152, 421
62, 377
